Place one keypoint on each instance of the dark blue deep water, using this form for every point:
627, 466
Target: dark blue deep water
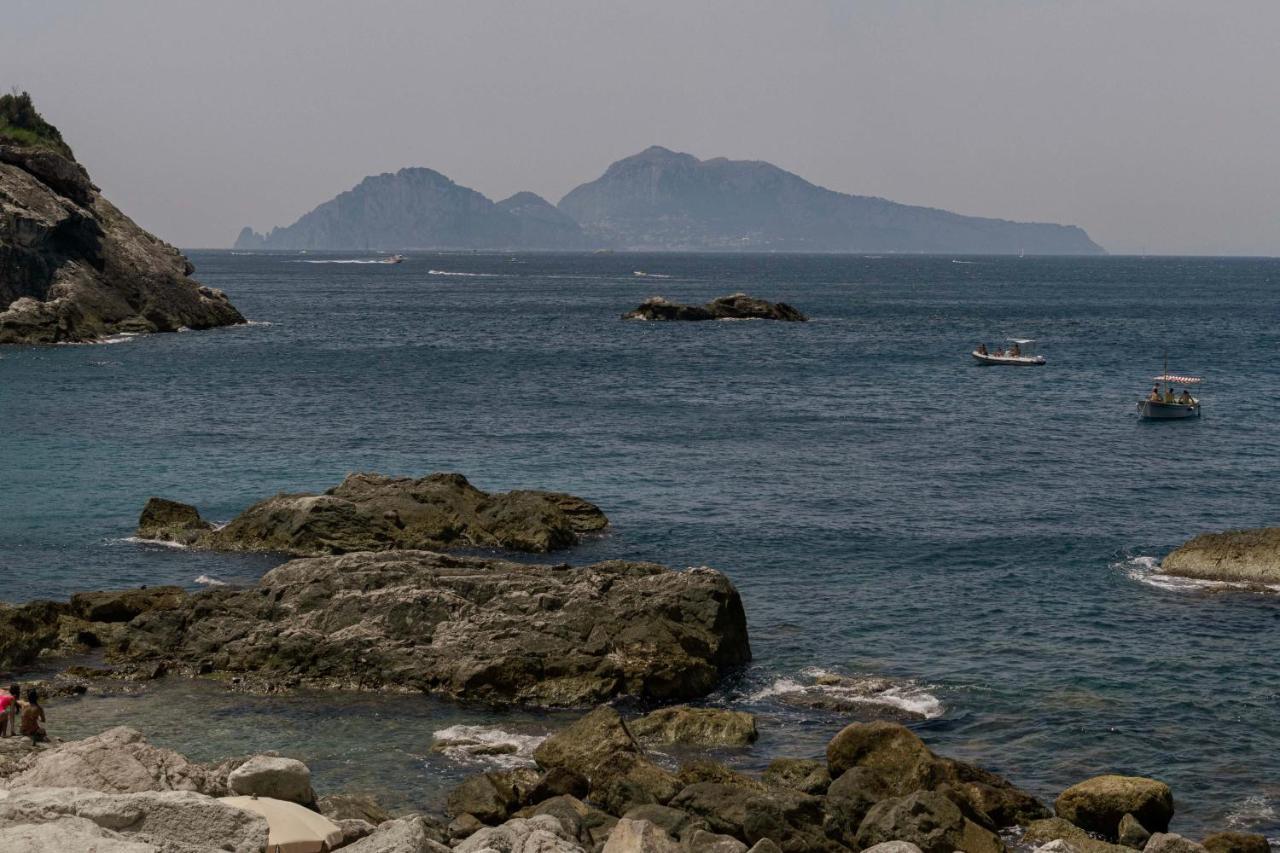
981, 537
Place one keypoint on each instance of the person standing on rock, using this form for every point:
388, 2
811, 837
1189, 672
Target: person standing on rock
9, 711
32, 718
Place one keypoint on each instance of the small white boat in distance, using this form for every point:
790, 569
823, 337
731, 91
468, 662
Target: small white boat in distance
394, 259
1162, 405
1021, 352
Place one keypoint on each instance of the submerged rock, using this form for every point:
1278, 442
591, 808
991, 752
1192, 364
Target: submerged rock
1249, 556
1236, 842
373, 512
483, 629
72, 266
739, 306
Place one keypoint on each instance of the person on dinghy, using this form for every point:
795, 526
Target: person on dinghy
1154, 396
1185, 397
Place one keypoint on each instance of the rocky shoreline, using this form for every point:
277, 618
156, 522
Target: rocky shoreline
595, 787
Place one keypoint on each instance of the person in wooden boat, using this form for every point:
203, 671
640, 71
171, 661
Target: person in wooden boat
1168, 395
1154, 396
1185, 397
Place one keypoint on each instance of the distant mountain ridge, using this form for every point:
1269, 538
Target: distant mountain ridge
655, 200
418, 208
661, 199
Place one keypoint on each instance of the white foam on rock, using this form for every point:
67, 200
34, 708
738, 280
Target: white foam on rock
1147, 570
907, 697
162, 543
205, 580
486, 745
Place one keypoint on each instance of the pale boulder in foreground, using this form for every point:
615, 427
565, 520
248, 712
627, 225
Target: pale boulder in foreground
1248, 556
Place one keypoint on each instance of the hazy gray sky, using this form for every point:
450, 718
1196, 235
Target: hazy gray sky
1154, 124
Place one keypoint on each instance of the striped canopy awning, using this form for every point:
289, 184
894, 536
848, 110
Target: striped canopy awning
1178, 380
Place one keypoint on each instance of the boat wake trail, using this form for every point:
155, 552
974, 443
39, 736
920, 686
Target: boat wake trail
486, 745
465, 274
344, 261
1147, 570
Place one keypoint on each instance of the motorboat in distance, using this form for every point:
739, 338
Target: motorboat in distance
1021, 352
1168, 407
394, 259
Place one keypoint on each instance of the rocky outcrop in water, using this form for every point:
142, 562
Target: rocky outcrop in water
72, 266
661, 199
372, 512
739, 306
483, 629
1249, 556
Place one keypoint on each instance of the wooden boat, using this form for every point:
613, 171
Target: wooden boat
1150, 409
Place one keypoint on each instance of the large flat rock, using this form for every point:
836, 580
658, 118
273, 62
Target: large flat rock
1249, 556
483, 629
374, 512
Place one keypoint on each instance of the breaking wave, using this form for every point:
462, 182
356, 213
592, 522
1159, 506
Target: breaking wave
158, 543
1147, 570
1251, 812
825, 690
205, 580
486, 745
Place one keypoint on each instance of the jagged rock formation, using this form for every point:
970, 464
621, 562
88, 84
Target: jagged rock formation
373, 512
480, 629
72, 266
739, 306
659, 199
420, 208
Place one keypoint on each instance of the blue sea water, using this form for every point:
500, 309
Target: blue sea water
982, 538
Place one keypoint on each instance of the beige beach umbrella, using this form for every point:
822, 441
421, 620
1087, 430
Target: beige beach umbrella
293, 828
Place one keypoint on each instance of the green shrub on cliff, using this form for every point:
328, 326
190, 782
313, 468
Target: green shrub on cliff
20, 122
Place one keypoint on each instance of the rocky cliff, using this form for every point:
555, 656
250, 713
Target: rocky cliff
660, 199
72, 266
422, 209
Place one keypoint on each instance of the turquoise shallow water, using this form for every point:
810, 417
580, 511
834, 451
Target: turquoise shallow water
981, 537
